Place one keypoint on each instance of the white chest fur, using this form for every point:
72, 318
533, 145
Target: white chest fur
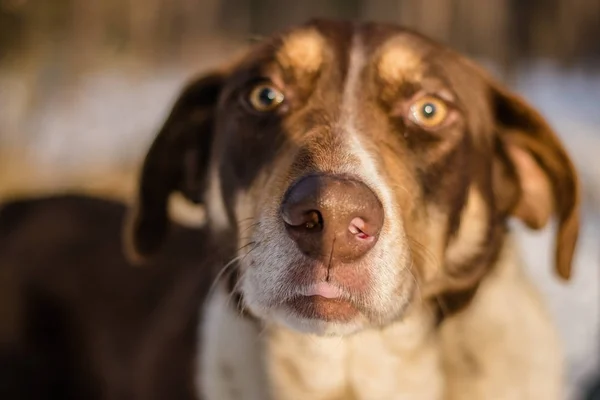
241, 362
231, 365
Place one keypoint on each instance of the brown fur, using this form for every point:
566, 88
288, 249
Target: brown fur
82, 322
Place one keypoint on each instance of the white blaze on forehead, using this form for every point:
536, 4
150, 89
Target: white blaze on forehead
350, 127
391, 247
356, 64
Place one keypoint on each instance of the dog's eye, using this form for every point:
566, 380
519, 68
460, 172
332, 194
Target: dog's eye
428, 112
265, 97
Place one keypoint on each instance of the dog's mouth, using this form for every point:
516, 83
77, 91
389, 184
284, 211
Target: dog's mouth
336, 298
323, 301
322, 308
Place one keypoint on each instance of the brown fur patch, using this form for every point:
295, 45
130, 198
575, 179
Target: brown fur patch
302, 51
399, 61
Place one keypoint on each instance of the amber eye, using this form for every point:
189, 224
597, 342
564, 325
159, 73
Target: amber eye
429, 112
265, 97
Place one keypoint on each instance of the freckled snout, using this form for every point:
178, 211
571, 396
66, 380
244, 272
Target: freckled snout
332, 217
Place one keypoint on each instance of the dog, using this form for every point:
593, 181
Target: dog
357, 181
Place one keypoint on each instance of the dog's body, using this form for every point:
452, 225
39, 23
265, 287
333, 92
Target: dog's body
358, 180
78, 321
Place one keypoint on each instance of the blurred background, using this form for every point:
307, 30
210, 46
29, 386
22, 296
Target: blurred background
84, 84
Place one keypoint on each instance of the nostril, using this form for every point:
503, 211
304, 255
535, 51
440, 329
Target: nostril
314, 220
309, 220
358, 227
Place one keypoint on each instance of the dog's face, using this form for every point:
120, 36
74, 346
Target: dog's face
357, 168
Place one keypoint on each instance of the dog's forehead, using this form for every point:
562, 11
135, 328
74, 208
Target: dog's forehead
393, 50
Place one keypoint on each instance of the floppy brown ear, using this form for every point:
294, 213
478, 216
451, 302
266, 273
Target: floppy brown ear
176, 161
537, 174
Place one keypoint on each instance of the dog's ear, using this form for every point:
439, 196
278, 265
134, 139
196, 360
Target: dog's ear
177, 161
534, 177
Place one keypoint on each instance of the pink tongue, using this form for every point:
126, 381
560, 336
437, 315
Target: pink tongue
324, 289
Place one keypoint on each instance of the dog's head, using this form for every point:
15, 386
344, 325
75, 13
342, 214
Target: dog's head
351, 164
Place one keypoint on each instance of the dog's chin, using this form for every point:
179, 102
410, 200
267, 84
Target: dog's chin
323, 317
318, 326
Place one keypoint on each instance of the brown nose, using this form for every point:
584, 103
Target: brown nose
332, 217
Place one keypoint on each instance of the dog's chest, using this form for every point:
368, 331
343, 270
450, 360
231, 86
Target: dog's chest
390, 364
242, 362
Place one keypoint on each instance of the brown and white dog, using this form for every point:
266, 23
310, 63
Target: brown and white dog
358, 180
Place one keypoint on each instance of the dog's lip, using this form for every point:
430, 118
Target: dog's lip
323, 301
323, 289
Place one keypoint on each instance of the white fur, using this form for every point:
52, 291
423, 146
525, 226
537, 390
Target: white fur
217, 218
398, 362
184, 212
231, 365
504, 345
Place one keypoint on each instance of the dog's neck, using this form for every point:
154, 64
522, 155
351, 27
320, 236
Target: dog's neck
365, 365
242, 359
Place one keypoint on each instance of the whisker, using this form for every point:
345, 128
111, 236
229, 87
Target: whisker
418, 286
240, 278
245, 245
401, 187
423, 252
220, 274
251, 225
